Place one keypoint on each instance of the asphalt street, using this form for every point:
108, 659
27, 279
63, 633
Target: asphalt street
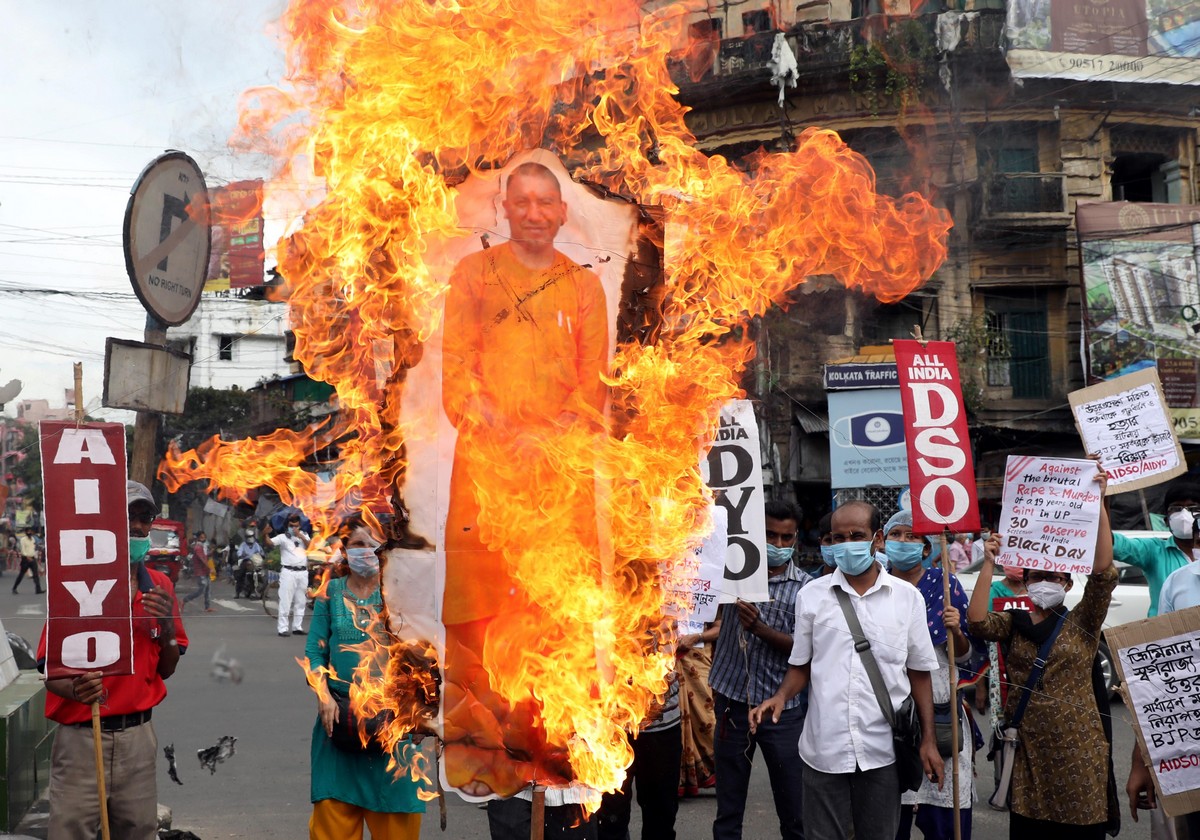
262, 790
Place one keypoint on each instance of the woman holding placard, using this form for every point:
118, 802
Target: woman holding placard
931, 805
1061, 763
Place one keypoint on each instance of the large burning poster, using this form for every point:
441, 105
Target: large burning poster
1142, 299
1109, 40
528, 427
514, 384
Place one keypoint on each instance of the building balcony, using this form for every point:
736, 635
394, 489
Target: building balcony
1028, 198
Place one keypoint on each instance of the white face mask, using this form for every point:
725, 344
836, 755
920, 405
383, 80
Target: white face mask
1046, 594
1182, 524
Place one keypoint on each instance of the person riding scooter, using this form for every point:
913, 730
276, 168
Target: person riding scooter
251, 566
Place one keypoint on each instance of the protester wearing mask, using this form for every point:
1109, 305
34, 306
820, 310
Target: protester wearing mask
749, 662
351, 785
1158, 558
128, 743
293, 576
1062, 783
851, 784
932, 806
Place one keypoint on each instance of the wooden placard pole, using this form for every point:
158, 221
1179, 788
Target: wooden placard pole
537, 815
947, 571
97, 738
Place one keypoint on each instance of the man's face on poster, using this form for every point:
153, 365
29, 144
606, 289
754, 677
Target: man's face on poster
535, 209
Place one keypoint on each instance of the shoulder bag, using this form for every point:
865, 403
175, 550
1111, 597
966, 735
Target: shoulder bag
1008, 737
906, 725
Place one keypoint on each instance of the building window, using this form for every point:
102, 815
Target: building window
225, 347
888, 153
1018, 349
1145, 166
184, 345
757, 22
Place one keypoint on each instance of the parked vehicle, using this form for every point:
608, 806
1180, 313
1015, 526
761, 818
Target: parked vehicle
168, 547
1130, 600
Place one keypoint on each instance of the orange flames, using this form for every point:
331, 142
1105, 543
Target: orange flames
386, 111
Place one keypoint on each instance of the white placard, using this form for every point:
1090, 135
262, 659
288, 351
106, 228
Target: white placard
1162, 681
696, 581
1050, 514
1125, 422
733, 469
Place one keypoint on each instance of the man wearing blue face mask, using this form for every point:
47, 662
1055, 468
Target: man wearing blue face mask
127, 737
749, 662
851, 786
293, 576
1158, 558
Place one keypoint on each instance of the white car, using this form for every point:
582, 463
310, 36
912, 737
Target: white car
1130, 600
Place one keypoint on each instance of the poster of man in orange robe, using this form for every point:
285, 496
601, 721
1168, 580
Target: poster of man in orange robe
528, 330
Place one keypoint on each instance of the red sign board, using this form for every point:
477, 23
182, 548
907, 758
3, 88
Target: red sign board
90, 622
941, 472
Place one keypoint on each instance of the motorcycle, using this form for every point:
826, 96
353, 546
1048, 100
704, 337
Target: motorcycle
252, 578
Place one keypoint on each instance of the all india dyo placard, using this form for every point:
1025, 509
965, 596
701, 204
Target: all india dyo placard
1050, 514
941, 472
1158, 660
733, 469
1125, 422
89, 624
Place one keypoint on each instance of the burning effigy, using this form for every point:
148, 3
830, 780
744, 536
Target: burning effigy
530, 293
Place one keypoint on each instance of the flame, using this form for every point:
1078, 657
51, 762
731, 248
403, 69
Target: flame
386, 110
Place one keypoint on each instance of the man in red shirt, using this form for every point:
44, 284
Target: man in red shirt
128, 741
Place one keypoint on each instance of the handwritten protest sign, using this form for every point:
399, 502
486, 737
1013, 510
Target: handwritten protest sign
695, 583
733, 468
1158, 660
1050, 514
1125, 422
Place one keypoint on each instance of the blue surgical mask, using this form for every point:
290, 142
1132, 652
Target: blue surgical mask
853, 558
904, 555
827, 555
776, 556
363, 561
139, 547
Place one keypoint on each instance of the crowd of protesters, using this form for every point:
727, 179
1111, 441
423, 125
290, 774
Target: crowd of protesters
814, 678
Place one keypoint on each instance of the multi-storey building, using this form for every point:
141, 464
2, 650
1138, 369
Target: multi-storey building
1008, 117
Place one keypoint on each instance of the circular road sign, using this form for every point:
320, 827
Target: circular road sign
167, 237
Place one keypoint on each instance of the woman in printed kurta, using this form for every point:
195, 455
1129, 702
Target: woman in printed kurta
1060, 775
352, 788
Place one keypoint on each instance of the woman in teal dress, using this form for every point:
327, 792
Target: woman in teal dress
350, 788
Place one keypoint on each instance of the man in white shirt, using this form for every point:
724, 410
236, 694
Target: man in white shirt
293, 576
850, 779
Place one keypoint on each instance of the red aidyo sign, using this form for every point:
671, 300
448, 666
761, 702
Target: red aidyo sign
941, 471
89, 625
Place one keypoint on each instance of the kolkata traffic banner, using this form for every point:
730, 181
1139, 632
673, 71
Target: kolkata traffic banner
89, 625
940, 468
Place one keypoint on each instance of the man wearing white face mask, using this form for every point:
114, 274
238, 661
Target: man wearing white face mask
1158, 558
851, 785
